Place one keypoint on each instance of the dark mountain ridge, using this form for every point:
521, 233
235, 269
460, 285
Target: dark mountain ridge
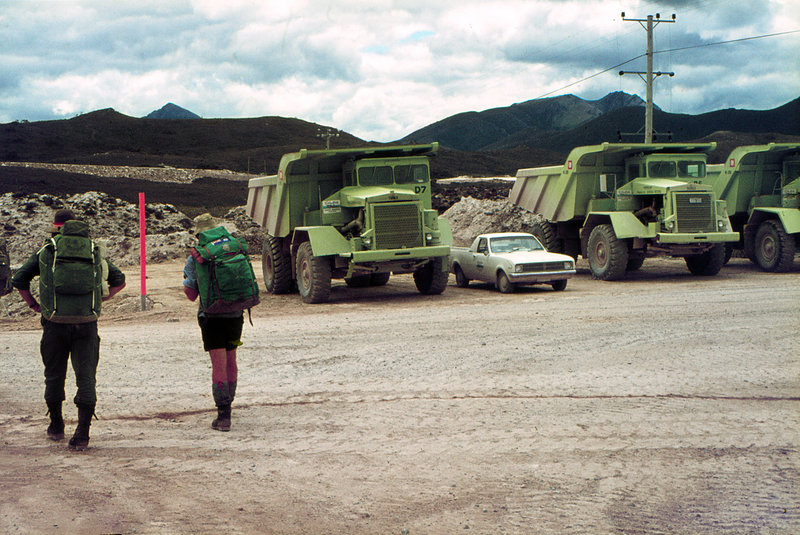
510, 137
471, 131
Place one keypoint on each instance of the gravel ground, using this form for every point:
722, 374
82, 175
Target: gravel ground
664, 403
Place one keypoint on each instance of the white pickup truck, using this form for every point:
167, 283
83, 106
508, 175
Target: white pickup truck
508, 259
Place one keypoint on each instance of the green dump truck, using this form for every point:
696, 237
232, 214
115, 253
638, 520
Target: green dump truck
616, 204
761, 184
359, 214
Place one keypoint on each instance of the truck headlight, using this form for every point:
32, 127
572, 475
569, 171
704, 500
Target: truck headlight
367, 242
518, 268
428, 238
567, 265
670, 225
721, 224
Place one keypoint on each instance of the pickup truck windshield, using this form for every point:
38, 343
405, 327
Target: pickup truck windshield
509, 244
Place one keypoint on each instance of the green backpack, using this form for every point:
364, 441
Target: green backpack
5, 268
70, 276
225, 277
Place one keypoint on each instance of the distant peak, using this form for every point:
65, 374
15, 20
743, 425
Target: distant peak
172, 111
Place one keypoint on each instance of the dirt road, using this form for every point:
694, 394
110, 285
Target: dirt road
665, 403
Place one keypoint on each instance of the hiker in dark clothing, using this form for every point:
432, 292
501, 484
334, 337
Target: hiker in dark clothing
221, 333
70, 288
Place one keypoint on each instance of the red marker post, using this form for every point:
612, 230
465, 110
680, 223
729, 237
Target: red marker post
142, 255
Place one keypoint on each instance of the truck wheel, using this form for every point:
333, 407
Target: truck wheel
379, 279
313, 275
358, 281
503, 284
728, 253
708, 263
635, 262
276, 266
559, 285
608, 255
461, 280
545, 232
431, 279
774, 248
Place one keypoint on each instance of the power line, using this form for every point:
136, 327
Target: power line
663, 51
728, 42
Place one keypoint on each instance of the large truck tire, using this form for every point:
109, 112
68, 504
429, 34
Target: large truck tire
276, 266
708, 263
431, 279
357, 281
545, 232
313, 275
608, 255
774, 248
379, 279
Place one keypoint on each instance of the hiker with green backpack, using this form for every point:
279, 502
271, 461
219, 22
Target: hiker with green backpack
69, 267
218, 271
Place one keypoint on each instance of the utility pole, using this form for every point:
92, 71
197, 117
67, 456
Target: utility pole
650, 75
327, 135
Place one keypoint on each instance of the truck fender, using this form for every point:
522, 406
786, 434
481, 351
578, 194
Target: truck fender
626, 225
789, 218
325, 241
445, 233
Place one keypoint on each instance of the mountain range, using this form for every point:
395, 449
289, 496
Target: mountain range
487, 143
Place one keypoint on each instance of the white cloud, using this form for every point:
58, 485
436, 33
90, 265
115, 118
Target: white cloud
380, 68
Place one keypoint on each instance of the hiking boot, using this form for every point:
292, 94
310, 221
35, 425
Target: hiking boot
80, 440
55, 431
223, 420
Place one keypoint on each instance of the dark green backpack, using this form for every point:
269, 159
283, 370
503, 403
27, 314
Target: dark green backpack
70, 276
225, 277
5, 268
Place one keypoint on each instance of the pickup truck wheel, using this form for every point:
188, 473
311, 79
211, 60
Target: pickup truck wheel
431, 279
503, 284
379, 279
774, 248
313, 275
559, 285
708, 263
276, 266
608, 255
461, 280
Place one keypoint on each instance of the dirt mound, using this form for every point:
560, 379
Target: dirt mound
28, 217
470, 217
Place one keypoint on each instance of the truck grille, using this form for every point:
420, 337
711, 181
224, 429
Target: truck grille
695, 212
543, 267
397, 225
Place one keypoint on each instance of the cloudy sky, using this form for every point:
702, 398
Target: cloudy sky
380, 69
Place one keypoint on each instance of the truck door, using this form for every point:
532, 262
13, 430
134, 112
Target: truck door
479, 258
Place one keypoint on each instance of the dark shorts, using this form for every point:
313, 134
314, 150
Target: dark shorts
220, 332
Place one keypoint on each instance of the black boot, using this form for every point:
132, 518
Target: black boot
80, 440
223, 420
55, 431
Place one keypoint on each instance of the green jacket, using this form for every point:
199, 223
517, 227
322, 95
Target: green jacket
57, 306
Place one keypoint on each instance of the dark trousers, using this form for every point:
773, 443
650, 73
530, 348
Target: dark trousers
81, 343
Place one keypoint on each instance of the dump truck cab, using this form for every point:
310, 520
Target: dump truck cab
761, 184
616, 204
357, 214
